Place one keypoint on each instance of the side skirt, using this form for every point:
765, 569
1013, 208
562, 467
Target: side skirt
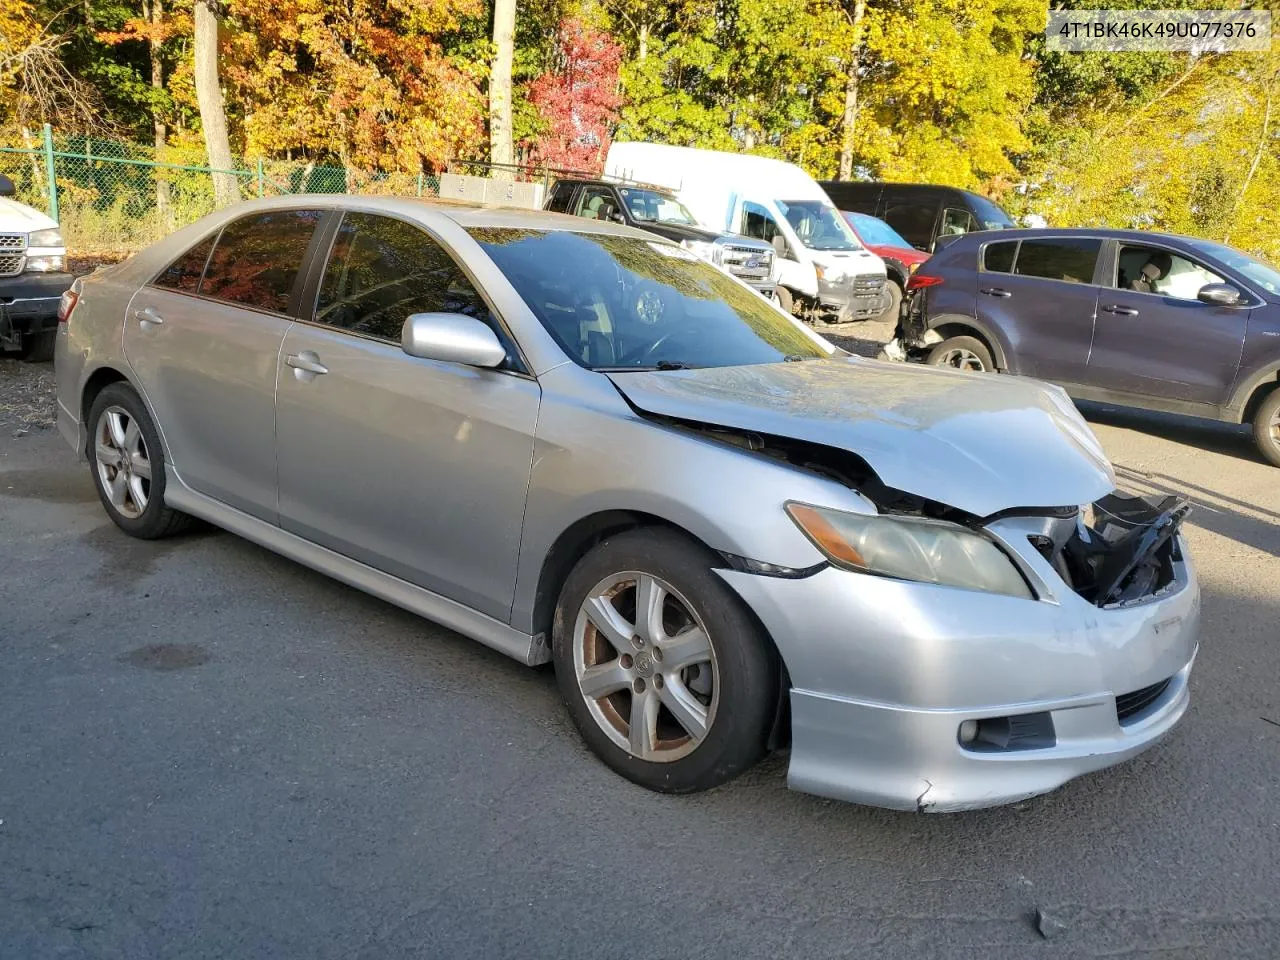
529, 650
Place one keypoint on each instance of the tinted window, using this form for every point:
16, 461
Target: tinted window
625, 303
257, 258
560, 197
596, 203
757, 222
998, 257
1152, 270
185, 272
1065, 258
382, 270
913, 219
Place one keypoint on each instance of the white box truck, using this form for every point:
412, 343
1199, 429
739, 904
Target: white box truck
823, 272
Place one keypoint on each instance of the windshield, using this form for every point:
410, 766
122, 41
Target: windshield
989, 215
1259, 271
624, 303
654, 207
818, 225
875, 232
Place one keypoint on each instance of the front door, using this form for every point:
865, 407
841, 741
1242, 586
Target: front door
1155, 338
204, 339
412, 466
1041, 294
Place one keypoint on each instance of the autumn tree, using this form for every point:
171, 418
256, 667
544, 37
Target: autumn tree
578, 99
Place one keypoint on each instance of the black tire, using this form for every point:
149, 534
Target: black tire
747, 667
155, 520
1266, 428
962, 353
785, 300
890, 313
38, 347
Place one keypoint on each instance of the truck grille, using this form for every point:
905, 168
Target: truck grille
867, 284
11, 264
1129, 705
12, 241
750, 263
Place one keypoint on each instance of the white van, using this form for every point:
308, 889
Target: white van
32, 277
824, 273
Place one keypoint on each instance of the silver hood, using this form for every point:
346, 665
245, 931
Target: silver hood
978, 442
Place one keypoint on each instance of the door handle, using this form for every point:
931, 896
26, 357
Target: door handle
1120, 310
305, 362
995, 292
147, 315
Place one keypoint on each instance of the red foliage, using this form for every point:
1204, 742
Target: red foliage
578, 100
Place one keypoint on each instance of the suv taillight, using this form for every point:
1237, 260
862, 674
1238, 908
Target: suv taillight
918, 280
68, 303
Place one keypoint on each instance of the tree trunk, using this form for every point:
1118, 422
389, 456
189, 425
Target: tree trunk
153, 12
504, 30
644, 41
851, 92
213, 117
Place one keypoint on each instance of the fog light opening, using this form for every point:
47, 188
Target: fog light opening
968, 731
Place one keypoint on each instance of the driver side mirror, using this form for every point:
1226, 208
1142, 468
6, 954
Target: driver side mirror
452, 338
1220, 294
780, 247
7, 189
617, 217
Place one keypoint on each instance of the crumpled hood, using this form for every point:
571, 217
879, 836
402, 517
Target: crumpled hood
982, 443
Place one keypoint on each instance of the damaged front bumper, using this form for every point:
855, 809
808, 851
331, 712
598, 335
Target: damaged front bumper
921, 697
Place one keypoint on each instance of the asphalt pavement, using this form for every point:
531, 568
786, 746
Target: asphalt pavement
209, 751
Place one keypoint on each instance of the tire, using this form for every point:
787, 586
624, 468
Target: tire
38, 347
134, 499
890, 314
1266, 428
962, 353
785, 300
728, 683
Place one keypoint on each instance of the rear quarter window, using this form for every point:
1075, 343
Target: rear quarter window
184, 273
998, 257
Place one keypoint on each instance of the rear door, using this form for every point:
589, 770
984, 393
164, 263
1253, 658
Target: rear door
416, 467
1154, 336
204, 338
1041, 293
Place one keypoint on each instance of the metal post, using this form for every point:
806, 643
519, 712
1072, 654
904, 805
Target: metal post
88, 160
419, 183
261, 178
49, 172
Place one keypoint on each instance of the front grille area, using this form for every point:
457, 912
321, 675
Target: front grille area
867, 284
11, 264
1130, 705
13, 241
736, 260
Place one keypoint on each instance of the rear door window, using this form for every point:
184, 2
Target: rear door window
561, 194
998, 257
1070, 259
184, 273
257, 259
912, 218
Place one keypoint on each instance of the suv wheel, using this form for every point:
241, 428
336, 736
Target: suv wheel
1266, 427
128, 465
962, 353
890, 314
666, 675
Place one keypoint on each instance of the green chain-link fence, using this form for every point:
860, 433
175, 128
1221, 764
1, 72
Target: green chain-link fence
113, 197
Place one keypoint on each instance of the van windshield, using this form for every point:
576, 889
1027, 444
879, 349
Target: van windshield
818, 225
989, 215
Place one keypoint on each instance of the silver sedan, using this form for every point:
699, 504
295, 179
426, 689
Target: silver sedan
577, 443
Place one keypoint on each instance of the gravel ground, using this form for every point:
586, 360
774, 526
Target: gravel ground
26, 396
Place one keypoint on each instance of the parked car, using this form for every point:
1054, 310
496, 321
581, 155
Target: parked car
1122, 316
923, 213
577, 442
32, 277
900, 258
659, 211
824, 273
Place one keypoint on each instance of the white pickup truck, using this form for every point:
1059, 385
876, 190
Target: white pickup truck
32, 277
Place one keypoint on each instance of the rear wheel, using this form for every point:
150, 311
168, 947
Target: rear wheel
666, 675
128, 465
1266, 427
38, 347
962, 353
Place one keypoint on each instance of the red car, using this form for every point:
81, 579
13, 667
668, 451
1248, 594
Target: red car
900, 258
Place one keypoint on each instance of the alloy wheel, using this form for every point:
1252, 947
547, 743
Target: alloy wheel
645, 667
961, 359
124, 464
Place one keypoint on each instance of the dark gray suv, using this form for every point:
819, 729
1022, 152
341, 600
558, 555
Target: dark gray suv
1122, 316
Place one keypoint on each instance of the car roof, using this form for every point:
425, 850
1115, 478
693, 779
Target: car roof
869, 185
1106, 233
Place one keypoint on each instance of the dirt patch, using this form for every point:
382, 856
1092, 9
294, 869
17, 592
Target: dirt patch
27, 393
166, 656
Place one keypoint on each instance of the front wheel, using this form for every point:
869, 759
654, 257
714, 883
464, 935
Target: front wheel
666, 675
890, 313
962, 353
785, 300
1266, 428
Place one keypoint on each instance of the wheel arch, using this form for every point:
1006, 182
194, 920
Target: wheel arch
99, 380
954, 325
1251, 394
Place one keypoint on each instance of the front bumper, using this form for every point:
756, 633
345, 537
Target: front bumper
852, 298
884, 672
29, 303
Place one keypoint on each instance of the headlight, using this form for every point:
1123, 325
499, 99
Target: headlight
45, 238
914, 267
45, 264
711, 252
929, 551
